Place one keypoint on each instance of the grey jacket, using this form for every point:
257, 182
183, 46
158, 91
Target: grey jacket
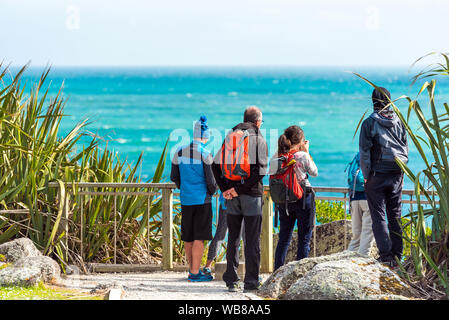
382, 139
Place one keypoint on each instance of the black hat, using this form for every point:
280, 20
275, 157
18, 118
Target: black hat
381, 97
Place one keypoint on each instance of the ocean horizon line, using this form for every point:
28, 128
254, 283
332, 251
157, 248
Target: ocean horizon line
212, 66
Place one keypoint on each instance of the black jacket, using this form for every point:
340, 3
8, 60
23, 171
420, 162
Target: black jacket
382, 139
258, 154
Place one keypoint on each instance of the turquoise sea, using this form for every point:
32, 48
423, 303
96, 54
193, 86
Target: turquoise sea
139, 108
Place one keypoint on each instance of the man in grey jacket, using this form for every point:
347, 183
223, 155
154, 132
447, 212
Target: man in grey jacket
383, 138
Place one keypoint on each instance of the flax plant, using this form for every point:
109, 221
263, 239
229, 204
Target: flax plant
33, 153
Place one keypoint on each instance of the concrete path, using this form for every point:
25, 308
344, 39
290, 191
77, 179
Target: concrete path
158, 285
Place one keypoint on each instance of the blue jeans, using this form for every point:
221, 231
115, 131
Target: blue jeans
302, 212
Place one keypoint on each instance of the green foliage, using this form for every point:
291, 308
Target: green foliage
34, 153
2, 258
41, 292
410, 232
328, 211
6, 265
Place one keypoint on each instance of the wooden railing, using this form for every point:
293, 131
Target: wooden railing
167, 194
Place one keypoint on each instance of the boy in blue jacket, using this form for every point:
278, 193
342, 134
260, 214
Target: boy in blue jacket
192, 173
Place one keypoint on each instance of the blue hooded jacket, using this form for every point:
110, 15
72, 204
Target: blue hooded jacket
192, 173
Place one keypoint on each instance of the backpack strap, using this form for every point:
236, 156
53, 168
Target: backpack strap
355, 182
349, 164
222, 157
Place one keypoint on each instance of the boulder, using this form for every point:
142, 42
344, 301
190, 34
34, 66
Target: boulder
20, 276
19, 248
342, 276
48, 267
329, 240
26, 266
330, 237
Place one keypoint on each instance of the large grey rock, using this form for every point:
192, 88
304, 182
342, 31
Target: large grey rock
48, 267
26, 266
19, 248
329, 239
20, 276
284, 277
342, 276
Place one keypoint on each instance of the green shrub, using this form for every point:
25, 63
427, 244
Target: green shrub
42, 292
328, 211
34, 153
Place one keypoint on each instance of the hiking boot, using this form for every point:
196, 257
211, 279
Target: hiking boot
235, 287
207, 271
199, 277
390, 263
254, 290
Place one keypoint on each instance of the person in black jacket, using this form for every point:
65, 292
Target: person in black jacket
383, 138
244, 199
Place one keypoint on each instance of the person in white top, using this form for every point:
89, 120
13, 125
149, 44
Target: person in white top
305, 166
303, 210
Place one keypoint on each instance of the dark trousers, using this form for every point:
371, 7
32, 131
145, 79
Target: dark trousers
253, 227
220, 234
384, 194
302, 212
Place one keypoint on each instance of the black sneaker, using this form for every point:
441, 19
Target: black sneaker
253, 290
235, 287
391, 263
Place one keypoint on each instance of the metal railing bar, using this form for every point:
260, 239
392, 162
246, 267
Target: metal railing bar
115, 229
173, 186
148, 223
119, 193
414, 202
331, 198
82, 226
117, 185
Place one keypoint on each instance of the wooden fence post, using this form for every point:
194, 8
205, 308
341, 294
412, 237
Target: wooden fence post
167, 228
64, 225
266, 244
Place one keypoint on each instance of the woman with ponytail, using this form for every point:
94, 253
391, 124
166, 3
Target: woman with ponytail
292, 142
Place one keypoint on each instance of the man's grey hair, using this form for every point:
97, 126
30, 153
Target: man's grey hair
252, 114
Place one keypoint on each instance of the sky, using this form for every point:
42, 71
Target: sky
221, 33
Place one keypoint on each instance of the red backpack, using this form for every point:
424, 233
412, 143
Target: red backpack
285, 186
235, 164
